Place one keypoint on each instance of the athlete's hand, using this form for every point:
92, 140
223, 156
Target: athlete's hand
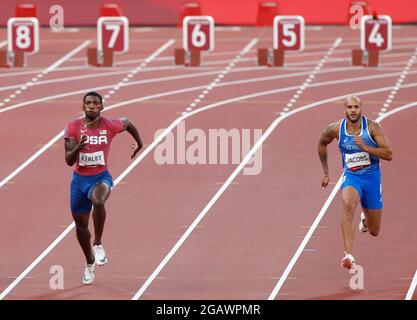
359, 142
135, 150
325, 181
82, 143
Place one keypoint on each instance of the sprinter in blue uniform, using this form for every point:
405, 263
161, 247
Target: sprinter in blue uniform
362, 143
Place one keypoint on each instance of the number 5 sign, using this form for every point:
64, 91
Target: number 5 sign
113, 33
23, 35
198, 33
289, 32
376, 34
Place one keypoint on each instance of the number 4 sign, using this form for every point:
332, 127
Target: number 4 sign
289, 32
113, 33
23, 35
376, 34
198, 33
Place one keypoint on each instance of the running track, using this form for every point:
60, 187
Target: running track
207, 231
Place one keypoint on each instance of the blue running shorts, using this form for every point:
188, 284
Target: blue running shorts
81, 189
368, 186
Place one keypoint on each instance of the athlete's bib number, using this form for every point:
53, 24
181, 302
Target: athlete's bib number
356, 161
91, 159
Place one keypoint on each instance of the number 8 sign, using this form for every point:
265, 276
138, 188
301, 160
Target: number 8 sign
198, 33
23, 35
376, 34
289, 32
113, 33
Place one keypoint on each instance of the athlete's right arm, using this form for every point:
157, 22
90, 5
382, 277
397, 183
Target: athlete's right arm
326, 138
72, 148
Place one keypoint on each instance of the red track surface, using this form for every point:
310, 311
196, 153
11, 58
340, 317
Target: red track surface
245, 241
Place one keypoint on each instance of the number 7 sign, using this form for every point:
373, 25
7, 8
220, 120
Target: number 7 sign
289, 32
198, 33
376, 34
113, 33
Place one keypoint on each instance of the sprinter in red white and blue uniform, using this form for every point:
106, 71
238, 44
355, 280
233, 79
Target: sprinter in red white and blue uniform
87, 145
362, 143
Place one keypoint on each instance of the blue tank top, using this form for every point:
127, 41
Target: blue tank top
354, 159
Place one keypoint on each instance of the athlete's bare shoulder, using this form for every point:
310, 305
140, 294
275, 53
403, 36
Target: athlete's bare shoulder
372, 124
330, 133
332, 129
375, 129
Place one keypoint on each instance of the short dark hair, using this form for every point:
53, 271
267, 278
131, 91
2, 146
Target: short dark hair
95, 94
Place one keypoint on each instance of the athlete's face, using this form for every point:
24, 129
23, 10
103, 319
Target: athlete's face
353, 109
92, 107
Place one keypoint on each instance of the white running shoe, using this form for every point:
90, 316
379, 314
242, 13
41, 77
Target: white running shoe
348, 261
88, 276
362, 226
100, 255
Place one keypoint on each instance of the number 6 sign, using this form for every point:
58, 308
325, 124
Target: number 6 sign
113, 33
198, 33
23, 35
289, 32
376, 34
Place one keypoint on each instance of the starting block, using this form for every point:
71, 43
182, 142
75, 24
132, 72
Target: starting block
376, 36
270, 57
9, 59
98, 58
198, 35
365, 58
288, 36
267, 10
112, 36
190, 58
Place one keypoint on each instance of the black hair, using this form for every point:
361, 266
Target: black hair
95, 94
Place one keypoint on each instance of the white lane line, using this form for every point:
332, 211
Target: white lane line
239, 168
412, 288
399, 83
320, 215
2, 44
72, 68
58, 96
134, 71
141, 156
183, 76
290, 54
52, 67
311, 75
66, 57
307, 237
221, 74
155, 96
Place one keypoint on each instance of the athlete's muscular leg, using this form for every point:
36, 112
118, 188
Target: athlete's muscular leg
100, 194
373, 220
350, 199
83, 235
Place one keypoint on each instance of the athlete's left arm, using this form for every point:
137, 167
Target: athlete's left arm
130, 127
383, 150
